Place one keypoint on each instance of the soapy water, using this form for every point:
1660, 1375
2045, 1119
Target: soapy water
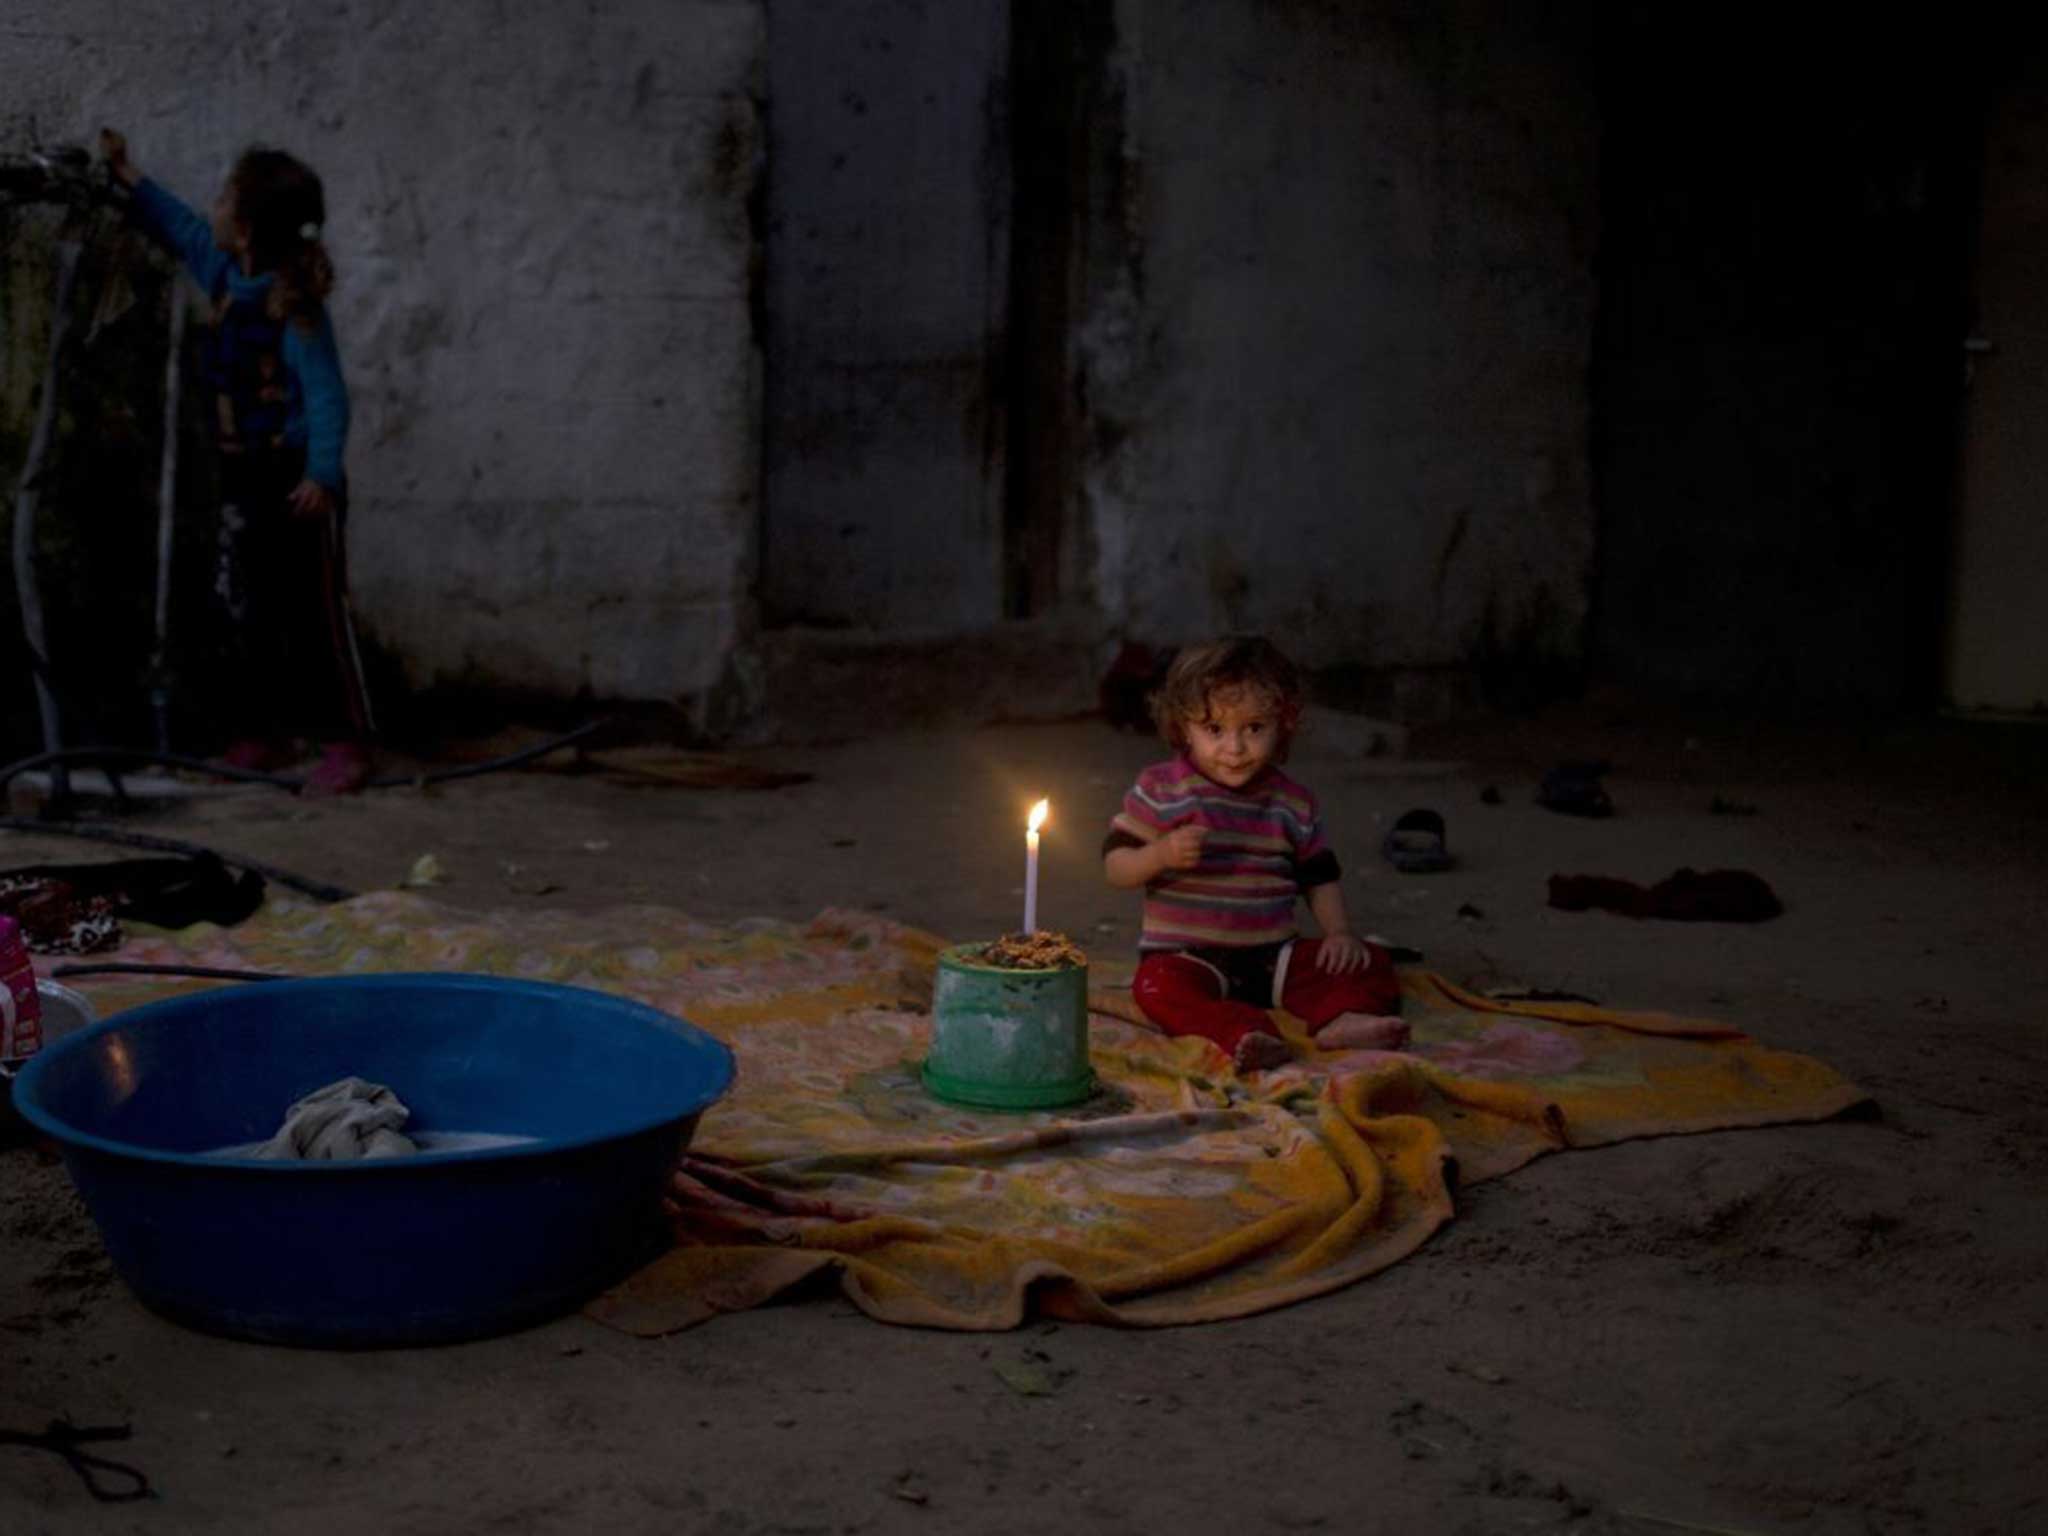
426, 1141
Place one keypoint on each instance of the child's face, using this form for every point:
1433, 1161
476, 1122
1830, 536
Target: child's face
1238, 736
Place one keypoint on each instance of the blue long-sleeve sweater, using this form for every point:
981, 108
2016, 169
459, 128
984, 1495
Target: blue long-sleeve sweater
314, 408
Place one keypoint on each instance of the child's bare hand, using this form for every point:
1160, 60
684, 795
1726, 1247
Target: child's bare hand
309, 498
1341, 952
114, 150
1182, 847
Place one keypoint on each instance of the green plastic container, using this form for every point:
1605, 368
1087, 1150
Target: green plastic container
1008, 1039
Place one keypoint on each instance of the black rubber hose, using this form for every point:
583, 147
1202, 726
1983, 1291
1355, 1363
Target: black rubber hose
313, 888
285, 780
137, 755
138, 968
509, 760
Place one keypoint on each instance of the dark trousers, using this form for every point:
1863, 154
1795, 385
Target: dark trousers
282, 584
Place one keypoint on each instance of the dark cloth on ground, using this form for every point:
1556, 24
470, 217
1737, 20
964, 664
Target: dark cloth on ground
1687, 895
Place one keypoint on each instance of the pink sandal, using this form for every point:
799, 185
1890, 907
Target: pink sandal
254, 755
344, 768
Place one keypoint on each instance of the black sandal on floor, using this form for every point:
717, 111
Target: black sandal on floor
1414, 844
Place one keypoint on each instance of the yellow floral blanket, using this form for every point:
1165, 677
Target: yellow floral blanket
1180, 1193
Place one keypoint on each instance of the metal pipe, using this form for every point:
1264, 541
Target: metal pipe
27, 589
166, 512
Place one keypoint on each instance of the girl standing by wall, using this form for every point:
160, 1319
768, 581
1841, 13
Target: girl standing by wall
279, 408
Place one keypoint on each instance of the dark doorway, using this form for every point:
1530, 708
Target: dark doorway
1058, 54
1778, 360
886, 240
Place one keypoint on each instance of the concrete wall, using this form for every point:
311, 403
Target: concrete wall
886, 260
1321, 296
540, 214
1330, 319
1341, 392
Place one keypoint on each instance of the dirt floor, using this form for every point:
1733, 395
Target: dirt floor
1824, 1328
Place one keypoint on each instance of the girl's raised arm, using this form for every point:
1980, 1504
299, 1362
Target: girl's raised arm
188, 235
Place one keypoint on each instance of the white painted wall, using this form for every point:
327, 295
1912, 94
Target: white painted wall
539, 214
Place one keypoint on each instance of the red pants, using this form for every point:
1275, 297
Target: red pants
1184, 995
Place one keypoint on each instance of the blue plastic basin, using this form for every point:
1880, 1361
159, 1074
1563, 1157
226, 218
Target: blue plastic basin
407, 1250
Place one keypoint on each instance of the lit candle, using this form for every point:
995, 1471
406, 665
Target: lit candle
1031, 866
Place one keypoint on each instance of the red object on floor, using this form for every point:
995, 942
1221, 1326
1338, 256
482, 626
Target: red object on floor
255, 756
21, 1006
1686, 895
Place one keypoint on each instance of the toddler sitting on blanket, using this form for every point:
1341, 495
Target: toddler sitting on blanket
1222, 843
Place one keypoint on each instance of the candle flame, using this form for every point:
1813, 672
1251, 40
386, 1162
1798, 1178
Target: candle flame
1038, 815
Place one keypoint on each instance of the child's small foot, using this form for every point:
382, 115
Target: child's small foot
343, 769
1363, 1032
1259, 1052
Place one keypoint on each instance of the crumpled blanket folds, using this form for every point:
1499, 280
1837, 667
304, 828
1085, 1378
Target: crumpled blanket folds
1183, 1193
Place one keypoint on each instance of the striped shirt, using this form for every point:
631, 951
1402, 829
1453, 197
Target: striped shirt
1265, 846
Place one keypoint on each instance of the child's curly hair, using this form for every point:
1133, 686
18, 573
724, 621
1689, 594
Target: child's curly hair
280, 198
1235, 661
